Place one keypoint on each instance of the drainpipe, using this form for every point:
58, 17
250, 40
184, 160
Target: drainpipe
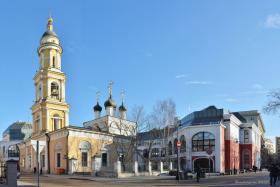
48, 146
67, 159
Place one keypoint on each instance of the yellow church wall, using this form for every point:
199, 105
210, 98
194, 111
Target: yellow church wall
61, 115
27, 152
75, 151
57, 145
22, 157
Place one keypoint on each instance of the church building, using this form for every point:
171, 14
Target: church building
93, 148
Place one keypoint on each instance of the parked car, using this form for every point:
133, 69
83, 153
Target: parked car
172, 172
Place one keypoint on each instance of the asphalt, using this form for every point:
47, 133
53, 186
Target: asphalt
248, 179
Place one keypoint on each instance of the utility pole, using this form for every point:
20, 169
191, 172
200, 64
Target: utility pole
38, 170
178, 145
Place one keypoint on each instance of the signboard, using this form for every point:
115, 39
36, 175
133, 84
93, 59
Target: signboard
179, 144
41, 145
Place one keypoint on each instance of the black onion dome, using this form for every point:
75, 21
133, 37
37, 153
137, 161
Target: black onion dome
49, 33
97, 107
122, 108
110, 103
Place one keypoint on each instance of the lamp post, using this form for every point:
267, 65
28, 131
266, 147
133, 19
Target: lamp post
178, 145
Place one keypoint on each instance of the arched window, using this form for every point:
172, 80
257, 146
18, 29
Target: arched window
163, 152
38, 123
56, 122
13, 151
145, 153
183, 144
53, 62
246, 159
58, 149
84, 148
54, 90
169, 148
203, 141
175, 146
42, 60
246, 136
39, 92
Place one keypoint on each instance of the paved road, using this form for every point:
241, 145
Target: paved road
252, 179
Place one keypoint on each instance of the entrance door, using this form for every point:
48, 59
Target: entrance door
205, 164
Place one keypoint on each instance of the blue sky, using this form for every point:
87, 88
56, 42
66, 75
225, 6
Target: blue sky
199, 53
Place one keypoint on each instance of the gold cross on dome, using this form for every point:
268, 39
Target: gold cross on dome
97, 96
122, 95
110, 87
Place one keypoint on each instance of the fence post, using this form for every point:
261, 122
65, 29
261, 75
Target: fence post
161, 167
136, 168
170, 165
150, 167
12, 173
117, 168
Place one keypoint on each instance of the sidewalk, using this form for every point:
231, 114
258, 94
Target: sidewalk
136, 178
101, 179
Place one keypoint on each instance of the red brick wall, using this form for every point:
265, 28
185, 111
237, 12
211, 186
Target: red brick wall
223, 152
232, 155
248, 147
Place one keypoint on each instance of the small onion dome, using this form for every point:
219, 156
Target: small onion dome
97, 107
110, 103
122, 108
49, 33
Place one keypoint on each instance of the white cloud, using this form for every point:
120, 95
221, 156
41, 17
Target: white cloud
198, 83
180, 76
222, 95
272, 21
231, 100
257, 86
254, 92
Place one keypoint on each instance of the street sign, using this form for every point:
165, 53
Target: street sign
179, 144
41, 145
209, 151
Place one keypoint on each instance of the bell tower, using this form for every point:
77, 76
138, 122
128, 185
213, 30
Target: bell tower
50, 110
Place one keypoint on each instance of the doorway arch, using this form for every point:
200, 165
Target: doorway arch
203, 163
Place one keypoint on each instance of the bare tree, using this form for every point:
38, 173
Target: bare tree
164, 113
159, 123
273, 105
138, 115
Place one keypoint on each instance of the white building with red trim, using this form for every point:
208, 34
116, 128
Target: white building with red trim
217, 140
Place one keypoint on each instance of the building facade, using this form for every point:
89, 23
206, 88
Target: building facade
93, 148
12, 136
214, 139
220, 141
268, 153
269, 146
277, 146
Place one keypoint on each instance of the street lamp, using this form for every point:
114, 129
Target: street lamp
178, 145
